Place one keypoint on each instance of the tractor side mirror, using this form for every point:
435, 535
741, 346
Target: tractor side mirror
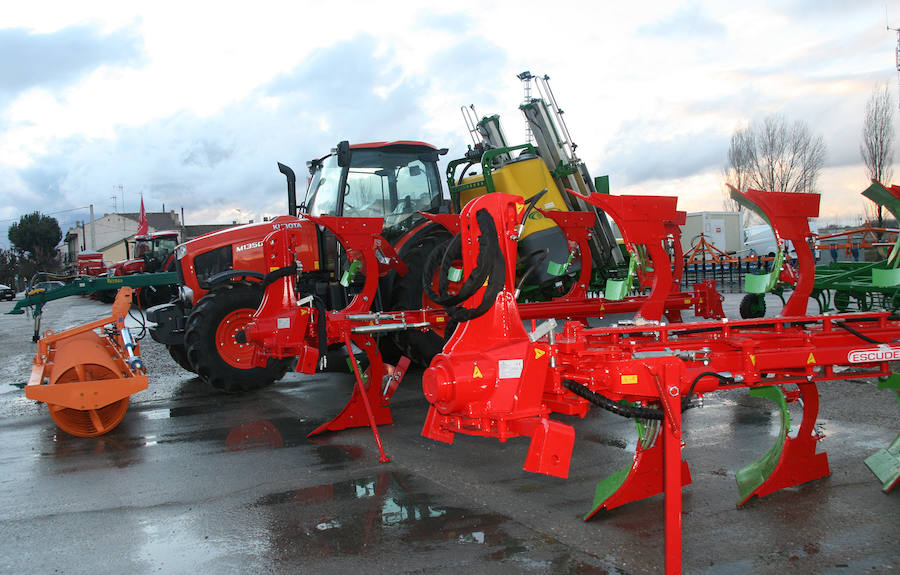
343, 154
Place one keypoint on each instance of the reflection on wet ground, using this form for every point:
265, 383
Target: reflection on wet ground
392, 513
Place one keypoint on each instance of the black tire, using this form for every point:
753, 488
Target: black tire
227, 303
753, 305
106, 296
408, 293
149, 296
179, 354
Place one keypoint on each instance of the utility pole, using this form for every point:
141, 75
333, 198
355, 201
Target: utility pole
93, 231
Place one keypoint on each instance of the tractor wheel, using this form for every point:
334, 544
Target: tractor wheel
212, 349
753, 305
409, 293
107, 295
179, 354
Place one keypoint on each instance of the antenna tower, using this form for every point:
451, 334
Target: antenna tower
896, 55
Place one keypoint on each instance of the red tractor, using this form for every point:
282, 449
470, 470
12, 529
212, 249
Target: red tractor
222, 273
153, 252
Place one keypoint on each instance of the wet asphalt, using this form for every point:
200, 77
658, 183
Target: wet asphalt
195, 481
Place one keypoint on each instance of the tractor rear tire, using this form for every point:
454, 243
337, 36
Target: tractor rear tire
212, 349
408, 293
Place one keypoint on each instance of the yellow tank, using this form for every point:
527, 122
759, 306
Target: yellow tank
523, 178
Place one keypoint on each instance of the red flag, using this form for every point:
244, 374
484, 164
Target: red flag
142, 222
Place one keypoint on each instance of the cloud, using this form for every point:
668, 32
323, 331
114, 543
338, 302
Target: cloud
691, 20
633, 157
222, 167
57, 59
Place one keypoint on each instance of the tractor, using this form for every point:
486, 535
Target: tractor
153, 252
221, 274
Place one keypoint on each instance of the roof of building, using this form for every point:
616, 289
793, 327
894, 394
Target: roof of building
156, 220
191, 232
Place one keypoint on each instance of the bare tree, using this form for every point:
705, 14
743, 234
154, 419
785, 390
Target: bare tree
877, 147
775, 156
736, 172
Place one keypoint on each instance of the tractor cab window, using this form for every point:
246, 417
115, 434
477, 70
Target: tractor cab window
392, 185
321, 199
385, 183
165, 247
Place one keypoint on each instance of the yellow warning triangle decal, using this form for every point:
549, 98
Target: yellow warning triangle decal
810, 359
519, 208
538, 353
477, 373
753, 359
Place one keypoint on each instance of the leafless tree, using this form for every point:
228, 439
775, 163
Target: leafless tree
877, 147
774, 156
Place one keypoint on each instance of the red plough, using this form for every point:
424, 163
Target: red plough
495, 379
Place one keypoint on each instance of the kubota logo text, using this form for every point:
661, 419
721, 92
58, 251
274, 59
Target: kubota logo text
249, 246
883, 353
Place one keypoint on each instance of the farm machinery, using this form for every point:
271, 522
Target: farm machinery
409, 275
864, 285
844, 286
87, 374
496, 378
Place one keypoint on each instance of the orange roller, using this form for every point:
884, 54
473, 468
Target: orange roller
84, 377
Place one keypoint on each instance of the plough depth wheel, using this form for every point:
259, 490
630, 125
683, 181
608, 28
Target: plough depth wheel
753, 305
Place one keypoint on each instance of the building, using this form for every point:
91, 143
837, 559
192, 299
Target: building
113, 234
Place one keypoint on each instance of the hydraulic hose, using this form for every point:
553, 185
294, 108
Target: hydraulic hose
624, 410
610, 405
858, 334
544, 253
489, 267
276, 275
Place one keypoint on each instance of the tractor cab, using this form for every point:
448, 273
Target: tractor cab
390, 180
155, 249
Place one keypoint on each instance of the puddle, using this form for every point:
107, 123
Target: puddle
395, 514
350, 517
123, 447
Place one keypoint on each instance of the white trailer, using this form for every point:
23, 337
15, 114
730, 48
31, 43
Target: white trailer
724, 230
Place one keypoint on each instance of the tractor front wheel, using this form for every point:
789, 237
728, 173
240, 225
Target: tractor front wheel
179, 354
212, 347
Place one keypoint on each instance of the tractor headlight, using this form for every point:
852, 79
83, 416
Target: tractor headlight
186, 295
180, 251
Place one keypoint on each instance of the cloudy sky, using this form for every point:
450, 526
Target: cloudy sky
191, 104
